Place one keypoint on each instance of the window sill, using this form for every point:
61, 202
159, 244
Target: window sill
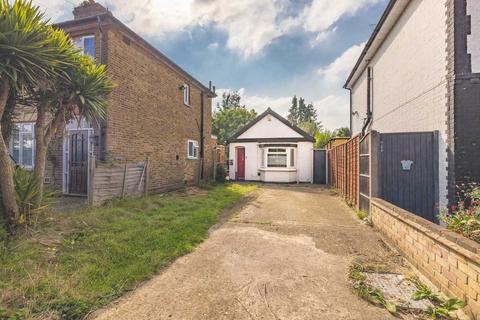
279, 169
187, 105
192, 158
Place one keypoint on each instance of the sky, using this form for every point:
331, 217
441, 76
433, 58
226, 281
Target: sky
267, 50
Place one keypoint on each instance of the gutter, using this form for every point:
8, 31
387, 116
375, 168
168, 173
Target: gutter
377, 29
369, 101
103, 124
202, 135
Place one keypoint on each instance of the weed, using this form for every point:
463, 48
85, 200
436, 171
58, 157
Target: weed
105, 252
441, 307
367, 292
362, 215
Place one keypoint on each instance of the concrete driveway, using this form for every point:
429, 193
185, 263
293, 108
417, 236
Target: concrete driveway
284, 255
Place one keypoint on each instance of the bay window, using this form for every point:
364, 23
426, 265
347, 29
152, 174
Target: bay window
22, 144
277, 158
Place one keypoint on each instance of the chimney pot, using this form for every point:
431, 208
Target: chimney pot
88, 8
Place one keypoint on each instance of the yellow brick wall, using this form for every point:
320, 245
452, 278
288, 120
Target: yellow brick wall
448, 260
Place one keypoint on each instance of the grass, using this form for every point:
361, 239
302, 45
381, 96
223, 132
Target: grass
99, 254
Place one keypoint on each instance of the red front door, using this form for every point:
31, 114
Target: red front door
241, 163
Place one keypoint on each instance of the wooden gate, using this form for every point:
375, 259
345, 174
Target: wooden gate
320, 166
409, 172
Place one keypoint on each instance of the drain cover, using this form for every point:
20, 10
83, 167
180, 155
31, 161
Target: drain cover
397, 289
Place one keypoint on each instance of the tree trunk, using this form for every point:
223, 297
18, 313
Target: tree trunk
44, 134
10, 206
41, 146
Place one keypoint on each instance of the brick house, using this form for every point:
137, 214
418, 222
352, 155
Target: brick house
157, 111
420, 72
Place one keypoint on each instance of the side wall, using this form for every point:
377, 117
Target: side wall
409, 79
450, 261
147, 116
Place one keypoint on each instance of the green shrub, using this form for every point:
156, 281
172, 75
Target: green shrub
220, 173
465, 217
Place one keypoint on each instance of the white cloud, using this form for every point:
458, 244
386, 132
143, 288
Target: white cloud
250, 25
323, 36
338, 69
322, 15
213, 46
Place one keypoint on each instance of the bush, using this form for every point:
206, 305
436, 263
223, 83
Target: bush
220, 173
465, 217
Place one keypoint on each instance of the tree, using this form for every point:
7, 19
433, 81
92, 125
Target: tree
310, 127
321, 138
230, 100
81, 94
293, 111
230, 116
342, 132
28, 58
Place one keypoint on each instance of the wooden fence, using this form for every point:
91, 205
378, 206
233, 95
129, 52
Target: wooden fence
116, 181
343, 169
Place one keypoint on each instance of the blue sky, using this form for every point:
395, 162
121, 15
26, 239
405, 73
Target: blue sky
269, 50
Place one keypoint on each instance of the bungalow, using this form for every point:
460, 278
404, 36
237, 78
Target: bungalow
420, 73
271, 149
157, 111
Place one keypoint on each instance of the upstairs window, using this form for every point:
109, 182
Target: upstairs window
192, 149
22, 144
186, 94
87, 44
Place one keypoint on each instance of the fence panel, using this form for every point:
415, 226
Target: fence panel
116, 181
343, 169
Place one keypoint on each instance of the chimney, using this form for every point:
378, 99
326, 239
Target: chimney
88, 8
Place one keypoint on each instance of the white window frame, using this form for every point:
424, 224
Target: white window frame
20, 151
186, 94
193, 156
274, 151
80, 43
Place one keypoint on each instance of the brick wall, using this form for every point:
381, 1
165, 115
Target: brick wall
451, 262
147, 116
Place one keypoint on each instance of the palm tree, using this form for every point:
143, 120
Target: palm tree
29, 56
82, 94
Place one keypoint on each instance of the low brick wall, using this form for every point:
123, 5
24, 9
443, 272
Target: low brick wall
448, 260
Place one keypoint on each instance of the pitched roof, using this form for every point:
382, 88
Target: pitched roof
108, 17
269, 111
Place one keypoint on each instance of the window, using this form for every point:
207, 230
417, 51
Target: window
277, 158
262, 163
22, 146
192, 149
87, 44
186, 94
292, 157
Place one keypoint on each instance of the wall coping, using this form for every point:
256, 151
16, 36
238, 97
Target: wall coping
454, 241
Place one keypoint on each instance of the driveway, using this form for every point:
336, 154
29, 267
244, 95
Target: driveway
284, 255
